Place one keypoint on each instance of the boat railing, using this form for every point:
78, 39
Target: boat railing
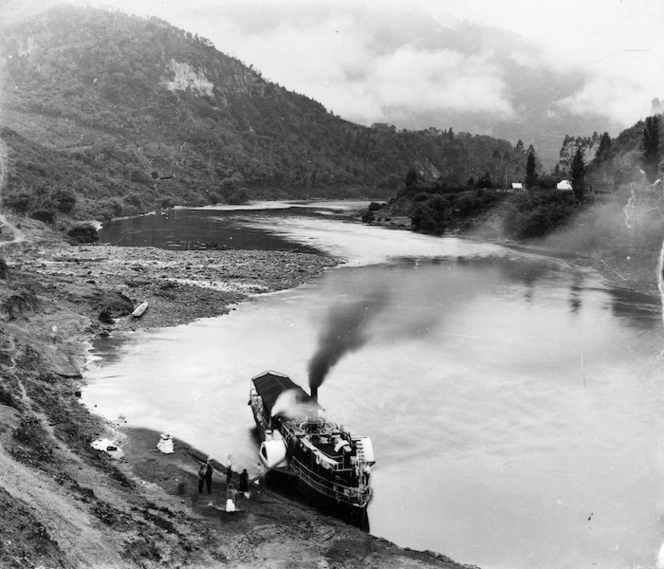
344, 493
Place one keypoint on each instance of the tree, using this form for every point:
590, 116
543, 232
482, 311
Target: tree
65, 199
603, 149
651, 148
531, 169
578, 174
485, 182
411, 178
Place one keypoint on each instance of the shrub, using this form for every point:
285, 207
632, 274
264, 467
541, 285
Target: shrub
19, 203
238, 197
108, 209
133, 204
84, 233
536, 213
44, 215
367, 216
64, 199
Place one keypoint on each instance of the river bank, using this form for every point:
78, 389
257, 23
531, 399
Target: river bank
66, 504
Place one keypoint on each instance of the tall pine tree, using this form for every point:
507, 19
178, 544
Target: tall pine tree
578, 169
531, 169
603, 149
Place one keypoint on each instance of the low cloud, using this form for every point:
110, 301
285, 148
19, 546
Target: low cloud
439, 80
621, 99
370, 66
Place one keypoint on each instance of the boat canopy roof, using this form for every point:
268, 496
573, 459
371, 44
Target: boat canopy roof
270, 385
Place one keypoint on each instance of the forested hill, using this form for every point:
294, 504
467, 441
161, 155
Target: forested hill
126, 112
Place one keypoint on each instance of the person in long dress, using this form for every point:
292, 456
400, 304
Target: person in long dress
230, 499
208, 475
201, 478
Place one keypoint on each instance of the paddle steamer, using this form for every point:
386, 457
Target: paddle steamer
330, 464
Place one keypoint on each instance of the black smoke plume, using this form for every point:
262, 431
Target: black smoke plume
346, 330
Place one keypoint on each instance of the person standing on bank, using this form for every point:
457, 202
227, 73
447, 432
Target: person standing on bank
201, 478
208, 475
244, 483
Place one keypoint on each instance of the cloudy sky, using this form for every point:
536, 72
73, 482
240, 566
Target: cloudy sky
401, 60
515, 68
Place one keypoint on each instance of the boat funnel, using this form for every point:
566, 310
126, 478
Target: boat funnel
314, 393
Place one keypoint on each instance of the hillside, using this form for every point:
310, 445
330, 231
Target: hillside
125, 113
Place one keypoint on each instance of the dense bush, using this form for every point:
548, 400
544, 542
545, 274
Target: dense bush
84, 233
44, 215
107, 209
537, 213
19, 202
437, 212
65, 199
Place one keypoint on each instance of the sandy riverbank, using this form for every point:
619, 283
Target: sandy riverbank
65, 504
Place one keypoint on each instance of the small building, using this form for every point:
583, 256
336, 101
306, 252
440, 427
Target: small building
517, 186
564, 185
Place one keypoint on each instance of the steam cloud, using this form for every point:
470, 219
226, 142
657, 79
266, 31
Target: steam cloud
346, 330
289, 404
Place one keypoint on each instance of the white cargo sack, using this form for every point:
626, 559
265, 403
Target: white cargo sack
165, 444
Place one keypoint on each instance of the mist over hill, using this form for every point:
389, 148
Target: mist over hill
106, 114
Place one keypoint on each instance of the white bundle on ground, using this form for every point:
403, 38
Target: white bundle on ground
108, 446
165, 444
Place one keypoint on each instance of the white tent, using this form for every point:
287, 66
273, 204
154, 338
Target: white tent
564, 185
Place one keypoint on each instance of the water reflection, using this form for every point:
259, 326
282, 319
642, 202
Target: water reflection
636, 309
205, 229
576, 293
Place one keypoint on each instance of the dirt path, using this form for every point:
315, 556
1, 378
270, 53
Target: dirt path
11, 234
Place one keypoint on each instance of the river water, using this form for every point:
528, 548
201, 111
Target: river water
514, 402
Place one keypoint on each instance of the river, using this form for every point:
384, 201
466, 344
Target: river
514, 401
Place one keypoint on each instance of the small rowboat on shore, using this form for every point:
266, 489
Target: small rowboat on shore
140, 309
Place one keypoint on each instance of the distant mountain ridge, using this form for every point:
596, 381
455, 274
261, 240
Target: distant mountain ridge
125, 113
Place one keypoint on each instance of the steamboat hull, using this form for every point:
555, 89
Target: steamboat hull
288, 484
